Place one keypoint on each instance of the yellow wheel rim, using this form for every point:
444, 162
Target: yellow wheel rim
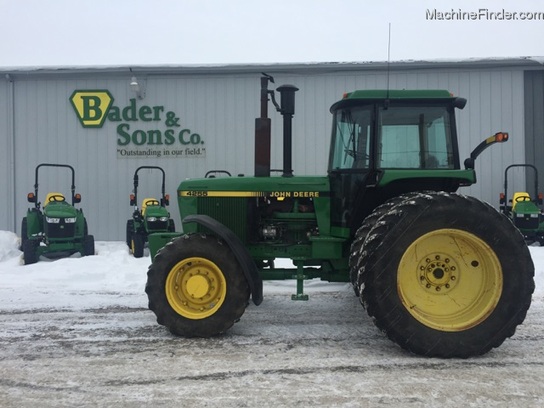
449, 280
196, 288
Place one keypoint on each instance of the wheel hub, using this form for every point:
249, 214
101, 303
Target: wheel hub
196, 288
438, 272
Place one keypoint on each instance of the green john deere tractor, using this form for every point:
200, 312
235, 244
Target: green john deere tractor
59, 229
442, 274
524, 209
151, 217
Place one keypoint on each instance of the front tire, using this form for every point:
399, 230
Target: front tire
129, 232
137, 245
30, 251
24, 233
446, 276
195, 286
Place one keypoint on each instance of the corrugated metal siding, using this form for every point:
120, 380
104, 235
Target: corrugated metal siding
222, 108
534, 125
6, 159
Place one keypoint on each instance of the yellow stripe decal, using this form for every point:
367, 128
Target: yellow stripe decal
277, 194
197, 193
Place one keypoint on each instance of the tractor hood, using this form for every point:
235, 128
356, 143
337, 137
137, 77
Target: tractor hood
59, 210
156, 211
292, 187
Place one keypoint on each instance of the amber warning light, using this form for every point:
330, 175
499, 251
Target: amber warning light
501, 137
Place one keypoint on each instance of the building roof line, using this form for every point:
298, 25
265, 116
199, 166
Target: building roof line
529, 62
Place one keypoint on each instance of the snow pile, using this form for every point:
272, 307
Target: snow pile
537, 253
9, 243
115, 278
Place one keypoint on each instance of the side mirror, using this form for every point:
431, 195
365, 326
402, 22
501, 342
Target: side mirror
132, 199
31, 198
77, 198
499, 137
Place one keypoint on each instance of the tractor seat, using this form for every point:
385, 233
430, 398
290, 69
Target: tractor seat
51, 197
148, 201
518, 197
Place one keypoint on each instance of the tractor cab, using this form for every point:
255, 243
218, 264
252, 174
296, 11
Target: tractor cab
386, 143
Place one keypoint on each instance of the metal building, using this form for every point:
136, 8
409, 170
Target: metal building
107, 121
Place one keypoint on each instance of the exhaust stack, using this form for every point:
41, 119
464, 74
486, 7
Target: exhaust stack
262, 132
287, 110
263, 128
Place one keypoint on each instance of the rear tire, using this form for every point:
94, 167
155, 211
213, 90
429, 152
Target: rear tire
446, 276
196, 287
355, 266
88, 245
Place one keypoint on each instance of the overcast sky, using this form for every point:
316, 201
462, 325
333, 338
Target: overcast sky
156, 32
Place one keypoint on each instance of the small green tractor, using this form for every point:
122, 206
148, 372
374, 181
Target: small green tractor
440, 273
59, 229
151, 217
524, 209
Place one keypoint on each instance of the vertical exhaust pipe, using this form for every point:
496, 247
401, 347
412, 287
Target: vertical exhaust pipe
287, 99
263, 133
263, 128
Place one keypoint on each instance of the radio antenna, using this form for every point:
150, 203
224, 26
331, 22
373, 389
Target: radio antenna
388, 65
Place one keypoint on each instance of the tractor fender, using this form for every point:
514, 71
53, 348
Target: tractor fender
239, 250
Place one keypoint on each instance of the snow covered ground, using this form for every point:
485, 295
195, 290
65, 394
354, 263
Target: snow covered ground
77, 332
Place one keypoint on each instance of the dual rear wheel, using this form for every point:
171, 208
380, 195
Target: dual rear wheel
443, 275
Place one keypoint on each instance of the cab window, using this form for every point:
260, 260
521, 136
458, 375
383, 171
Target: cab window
414, 138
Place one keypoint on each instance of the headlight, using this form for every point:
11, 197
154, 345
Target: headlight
52, 220
534, 215
151, 219
70, 220
164, 219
